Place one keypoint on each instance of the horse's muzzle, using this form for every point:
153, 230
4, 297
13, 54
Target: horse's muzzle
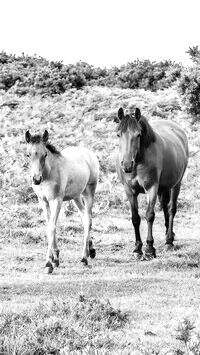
37, 181
127, 168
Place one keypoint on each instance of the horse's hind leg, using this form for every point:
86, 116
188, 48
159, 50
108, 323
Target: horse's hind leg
53, 252
172, 211
85, 208
165, 198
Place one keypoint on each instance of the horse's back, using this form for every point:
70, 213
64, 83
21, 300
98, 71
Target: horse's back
84, 159
172, 142
170, 130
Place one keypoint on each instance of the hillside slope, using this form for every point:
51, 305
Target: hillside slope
156, 295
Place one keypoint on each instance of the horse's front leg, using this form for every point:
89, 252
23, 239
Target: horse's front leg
52, 251
150, 251
44, 204
132, 197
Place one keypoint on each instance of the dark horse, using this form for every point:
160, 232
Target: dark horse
152, 159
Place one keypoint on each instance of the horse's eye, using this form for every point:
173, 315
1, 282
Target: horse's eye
45, 155
28, 155
118, 134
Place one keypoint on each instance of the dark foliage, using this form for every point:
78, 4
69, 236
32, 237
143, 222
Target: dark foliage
189, 84
36, 75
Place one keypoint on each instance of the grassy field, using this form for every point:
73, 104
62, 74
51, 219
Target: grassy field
116, 305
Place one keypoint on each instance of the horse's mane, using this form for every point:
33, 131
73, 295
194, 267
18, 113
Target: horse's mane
37, 138
52, 149
147, 132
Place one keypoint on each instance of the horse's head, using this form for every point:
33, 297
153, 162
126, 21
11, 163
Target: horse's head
129, 132
37, 153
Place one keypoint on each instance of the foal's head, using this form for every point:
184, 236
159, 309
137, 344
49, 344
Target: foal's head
134, 134
37, 153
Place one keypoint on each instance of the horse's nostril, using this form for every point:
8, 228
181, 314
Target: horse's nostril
37, 181
128, 170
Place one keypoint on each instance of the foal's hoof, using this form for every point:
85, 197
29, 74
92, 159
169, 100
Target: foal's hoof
56, 263
48, 268
84, 261
92, 253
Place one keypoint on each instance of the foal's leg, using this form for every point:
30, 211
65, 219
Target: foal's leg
150, 216
132, 197
88, 196
53, 252
172, 211
85, 208
44, 204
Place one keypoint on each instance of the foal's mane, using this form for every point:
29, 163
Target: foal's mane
143, 126
37, 138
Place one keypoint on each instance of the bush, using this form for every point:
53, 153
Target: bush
189, 85
149, 75
36, 75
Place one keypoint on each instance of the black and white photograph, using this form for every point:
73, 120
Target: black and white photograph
99, 177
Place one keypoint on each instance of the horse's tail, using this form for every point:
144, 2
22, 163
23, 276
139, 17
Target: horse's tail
160, 198
164, 198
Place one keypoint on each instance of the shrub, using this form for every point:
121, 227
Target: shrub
189, 85
25, 74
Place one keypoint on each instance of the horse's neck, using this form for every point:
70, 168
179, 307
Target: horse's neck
49, 165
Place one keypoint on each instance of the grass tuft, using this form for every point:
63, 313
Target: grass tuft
50, 327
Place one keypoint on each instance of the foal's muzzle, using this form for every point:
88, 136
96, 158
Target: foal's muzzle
37, 181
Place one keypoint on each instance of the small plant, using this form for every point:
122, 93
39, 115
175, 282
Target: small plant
188, 337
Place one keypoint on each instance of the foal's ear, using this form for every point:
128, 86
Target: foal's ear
120, 113
137, 114
45, 136
27, 136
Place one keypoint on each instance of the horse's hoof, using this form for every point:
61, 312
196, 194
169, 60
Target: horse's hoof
48, 268
150, 255
169, 247
92, 253
84, 261
138, 256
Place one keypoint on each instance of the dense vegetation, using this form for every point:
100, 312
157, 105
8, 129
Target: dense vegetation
33, 75
189, 85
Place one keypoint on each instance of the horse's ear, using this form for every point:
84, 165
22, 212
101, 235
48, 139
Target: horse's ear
45, 136
120, 113
137, 114
27, 136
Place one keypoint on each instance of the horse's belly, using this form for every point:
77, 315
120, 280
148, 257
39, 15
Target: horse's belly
76, 184
172, 176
